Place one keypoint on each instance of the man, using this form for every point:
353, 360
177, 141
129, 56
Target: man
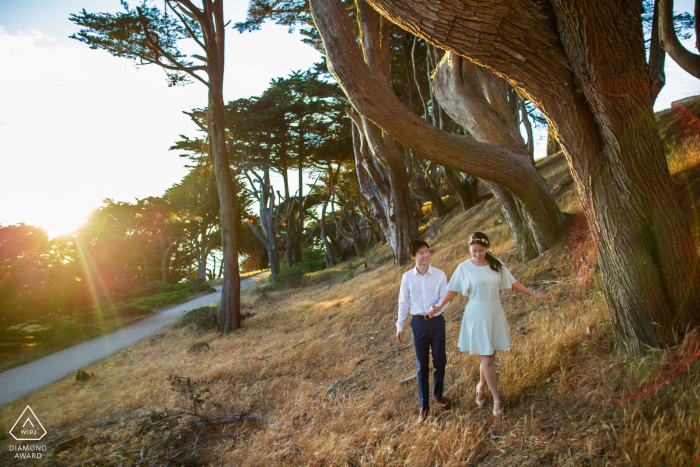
422, 287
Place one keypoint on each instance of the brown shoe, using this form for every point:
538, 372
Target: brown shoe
443, 402
423, 415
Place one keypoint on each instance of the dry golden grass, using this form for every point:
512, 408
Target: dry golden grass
560, 382
684, 154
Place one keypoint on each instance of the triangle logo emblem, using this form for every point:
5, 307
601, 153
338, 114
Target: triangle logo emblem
28, 427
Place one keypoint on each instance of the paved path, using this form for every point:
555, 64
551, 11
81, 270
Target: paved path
21, 380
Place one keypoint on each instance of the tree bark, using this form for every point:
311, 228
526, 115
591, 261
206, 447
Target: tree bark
591, 84
145, 267
530, 145
164, 255
330, 257
423, 185
553, 145
467, 189
229, 312
266, 203
657, 55
526, 246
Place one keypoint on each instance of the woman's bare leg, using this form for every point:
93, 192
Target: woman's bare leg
488, 373
480, 388
482, 379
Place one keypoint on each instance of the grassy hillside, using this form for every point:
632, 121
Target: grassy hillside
314, 376
680, 121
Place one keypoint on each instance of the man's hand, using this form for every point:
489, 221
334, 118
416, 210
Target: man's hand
434, 309
399, 336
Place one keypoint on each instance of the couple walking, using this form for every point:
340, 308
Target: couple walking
425, 292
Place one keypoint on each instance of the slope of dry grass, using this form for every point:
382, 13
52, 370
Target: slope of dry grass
320, 370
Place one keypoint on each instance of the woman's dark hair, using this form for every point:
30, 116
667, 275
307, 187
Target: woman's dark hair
416, 245
480, 238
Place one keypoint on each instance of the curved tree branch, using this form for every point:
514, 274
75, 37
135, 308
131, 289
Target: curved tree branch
687, 60
483, 160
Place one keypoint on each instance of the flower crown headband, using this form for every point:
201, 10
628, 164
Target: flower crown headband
482, 241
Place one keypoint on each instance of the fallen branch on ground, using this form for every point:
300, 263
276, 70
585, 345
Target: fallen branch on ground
344, 381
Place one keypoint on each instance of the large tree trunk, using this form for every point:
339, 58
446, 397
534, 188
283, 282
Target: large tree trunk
591, 84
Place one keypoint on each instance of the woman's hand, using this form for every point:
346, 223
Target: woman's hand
522, 289
434, 310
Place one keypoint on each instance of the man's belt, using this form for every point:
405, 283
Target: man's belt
422, 316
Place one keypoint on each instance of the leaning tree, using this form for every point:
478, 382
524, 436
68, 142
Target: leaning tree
150, 36
583, 65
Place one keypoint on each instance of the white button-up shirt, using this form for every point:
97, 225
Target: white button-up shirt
418, 293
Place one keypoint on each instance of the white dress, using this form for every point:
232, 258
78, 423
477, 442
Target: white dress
484, 326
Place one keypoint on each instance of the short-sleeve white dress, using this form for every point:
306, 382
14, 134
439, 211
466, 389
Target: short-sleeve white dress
484, 326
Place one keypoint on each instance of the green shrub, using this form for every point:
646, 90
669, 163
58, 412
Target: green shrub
158, 287
201, 318
261, 290
159, 300
200, 285
131, 309
290, 276
313, 259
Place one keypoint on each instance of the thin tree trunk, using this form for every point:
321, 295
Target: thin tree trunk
330, 257
657, 55
530, 145
266, 203
229, 312
145, 268
553, 145
189, 267
423, 184
164, 255
467, 190
524, 242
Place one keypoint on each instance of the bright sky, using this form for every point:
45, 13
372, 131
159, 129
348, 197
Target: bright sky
78, 125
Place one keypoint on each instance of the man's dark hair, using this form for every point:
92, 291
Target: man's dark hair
416, 245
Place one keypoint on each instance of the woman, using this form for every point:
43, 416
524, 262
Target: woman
484, 327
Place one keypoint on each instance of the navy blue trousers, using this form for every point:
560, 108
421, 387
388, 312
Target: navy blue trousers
429, 334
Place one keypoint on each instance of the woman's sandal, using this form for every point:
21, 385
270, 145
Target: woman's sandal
480, 400
499, 412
